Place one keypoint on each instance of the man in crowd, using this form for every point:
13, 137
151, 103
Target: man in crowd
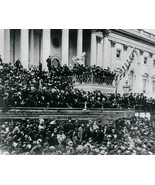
49, 63
1, 59
18, 64
5, 102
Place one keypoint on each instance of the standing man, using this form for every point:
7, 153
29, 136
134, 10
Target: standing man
17, 64
1, 63
1, 60
5, 102
40, 67
49, 63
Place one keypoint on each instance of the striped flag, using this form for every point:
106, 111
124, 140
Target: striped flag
121, 72
124, 69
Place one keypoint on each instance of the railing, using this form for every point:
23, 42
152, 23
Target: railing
66, 109
144, 108
92, 79
78, 79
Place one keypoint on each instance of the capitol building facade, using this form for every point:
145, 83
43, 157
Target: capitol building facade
105, 48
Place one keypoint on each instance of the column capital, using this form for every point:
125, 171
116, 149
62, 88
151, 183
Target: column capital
99, 36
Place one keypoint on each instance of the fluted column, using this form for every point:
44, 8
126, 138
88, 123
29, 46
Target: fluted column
46, 46
31, 47
106, 61
24, 48
7, 46
99, 52
140, 71
150, 62
93, 48
79, 42
65, 46
2, 43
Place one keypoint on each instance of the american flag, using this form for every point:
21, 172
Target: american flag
121, 72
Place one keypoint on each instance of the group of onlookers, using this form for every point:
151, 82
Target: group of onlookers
126, 136
36, 88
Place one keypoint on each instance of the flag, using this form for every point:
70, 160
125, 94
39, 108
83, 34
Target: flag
118, 70
124, 69
129, 58
121, 72
126, 65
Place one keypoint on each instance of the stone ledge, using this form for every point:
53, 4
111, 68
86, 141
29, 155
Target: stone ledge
104, 116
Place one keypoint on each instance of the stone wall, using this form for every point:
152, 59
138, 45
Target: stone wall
105, 116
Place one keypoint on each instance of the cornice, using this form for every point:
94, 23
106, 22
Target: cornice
134, 36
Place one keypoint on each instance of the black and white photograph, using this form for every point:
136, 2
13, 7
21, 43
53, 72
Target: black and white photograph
77, 91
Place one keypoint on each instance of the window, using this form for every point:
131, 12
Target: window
144, 84
131, 79
153, 63
153, 86
145, 79
118, 53
56, 38
56, 42
145, 60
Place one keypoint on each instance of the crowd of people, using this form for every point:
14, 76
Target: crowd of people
79, 69
126, 136
37, 88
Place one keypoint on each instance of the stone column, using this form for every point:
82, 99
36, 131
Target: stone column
79, 42
106, 62
140, 71
46, 47
150, 63
93, 48
2, 43
31, 47
7, 46
24, 48
65, 47
99, 52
